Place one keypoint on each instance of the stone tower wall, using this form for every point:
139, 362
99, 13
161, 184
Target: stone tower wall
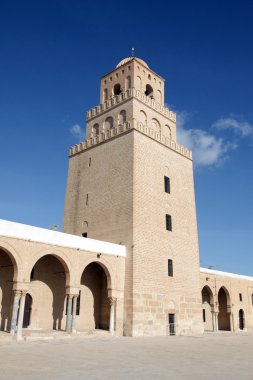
108, 182
155, 294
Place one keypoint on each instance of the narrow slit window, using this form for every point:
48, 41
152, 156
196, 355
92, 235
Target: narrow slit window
168, 222
170, 268
166, 184
240, 296
87, 199
204, 315
89, 161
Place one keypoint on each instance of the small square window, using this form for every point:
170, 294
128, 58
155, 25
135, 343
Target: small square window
240, 296
166, 184
168, 222
85, 234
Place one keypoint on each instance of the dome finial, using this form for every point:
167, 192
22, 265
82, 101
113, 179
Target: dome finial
132, 52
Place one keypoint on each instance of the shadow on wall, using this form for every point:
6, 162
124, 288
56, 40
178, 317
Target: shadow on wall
48, 282
223, 316
6, 285
94, 298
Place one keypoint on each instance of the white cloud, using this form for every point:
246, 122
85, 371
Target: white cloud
77, 132
241, 128
207, 149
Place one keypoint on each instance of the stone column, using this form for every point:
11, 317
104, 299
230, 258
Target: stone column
216, 324
231, 321
213, 321
14, 316
21, 315
69, 310
73, 321
112, 301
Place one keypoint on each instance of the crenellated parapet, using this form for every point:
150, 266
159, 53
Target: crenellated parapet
125, 95
126, 127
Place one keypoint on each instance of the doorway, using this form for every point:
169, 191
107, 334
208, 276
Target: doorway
172, 329
241, 319
27, 310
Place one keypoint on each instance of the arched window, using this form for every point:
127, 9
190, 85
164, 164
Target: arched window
149, 91
143, 118
156, 125
128, 82
117, 89
138, 84
122, 117
159, 97
109, 122
168, 132
96, 129
105, 94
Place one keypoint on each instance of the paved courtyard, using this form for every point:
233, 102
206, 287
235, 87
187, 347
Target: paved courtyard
212, 356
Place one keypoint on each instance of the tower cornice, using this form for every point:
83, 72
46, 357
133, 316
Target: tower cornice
126, 95
126, 128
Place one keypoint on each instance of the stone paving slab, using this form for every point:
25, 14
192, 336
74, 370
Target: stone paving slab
212, 356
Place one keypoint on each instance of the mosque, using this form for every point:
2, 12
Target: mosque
127, 259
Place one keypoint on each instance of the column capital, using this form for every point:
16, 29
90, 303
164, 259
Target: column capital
72, 290
71, 295
112, 300
17, 292
21, 286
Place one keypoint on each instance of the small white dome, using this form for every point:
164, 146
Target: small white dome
125, 60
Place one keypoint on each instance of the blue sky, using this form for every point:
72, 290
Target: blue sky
52, 54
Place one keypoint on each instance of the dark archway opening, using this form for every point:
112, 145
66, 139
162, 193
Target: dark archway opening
6, 293
94, 308
149, 91
48, 282
117, 89
223, 316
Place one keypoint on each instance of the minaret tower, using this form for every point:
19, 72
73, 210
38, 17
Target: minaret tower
131, 183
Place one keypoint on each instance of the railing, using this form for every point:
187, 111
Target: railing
130, 93
106, 135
